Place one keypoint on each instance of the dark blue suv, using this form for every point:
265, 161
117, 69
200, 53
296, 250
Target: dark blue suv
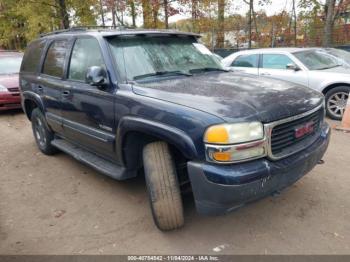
127, 101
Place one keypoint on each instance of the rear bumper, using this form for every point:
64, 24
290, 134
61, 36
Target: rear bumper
9, 101
220, 189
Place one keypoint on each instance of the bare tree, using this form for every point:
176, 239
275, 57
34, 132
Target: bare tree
332, 12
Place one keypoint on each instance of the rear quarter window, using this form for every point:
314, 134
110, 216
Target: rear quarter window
55, 58
32, 56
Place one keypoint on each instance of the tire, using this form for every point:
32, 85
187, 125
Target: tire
163, 187
336, 101
42, 134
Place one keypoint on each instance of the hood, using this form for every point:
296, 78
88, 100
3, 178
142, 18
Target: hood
234, 97
9, 81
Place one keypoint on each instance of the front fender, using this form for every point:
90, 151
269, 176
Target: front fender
169, 134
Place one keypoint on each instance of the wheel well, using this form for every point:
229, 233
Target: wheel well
133, 144
324, 91
29, 106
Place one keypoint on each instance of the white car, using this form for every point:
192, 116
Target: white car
306, 66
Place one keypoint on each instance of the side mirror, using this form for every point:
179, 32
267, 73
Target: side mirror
293, 67
96, 76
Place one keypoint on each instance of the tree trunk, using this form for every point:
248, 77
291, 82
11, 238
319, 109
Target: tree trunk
295, 24
102, 13
256, 25
250, 23
220, 39
147, 14
133, 12
114, 23
166, 14
194, 10
63, 13
328, 28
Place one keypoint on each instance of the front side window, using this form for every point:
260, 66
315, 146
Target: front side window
246, 61
55, 57
86, 53
140, 56
32, 56
276, 61
316, 60
10, 64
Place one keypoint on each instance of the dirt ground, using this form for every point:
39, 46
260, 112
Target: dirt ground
55, 205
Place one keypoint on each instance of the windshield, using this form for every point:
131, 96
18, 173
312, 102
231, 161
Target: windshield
147, 56
10, 65
341, 54
316, 60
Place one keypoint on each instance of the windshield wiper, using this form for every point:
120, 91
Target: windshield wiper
328, 67
207, 69
162, 73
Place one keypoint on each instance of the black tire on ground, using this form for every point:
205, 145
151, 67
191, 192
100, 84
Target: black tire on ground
42, 134
163, 187
331, 99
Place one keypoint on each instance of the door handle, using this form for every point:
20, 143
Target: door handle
66, 93
265, 74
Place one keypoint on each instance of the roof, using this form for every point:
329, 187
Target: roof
114, 32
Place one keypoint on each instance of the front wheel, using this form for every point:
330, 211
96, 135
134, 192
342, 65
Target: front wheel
163, 187
336, 100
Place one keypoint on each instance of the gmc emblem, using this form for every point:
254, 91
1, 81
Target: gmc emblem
304, 130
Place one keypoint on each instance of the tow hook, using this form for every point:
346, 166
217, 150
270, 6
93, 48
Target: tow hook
320, 162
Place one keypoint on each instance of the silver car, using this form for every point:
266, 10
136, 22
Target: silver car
306, 66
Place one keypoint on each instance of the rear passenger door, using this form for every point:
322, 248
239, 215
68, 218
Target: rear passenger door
246, 64
88, 111
275, 66
50, 84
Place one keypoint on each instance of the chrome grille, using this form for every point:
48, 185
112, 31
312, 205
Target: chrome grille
282, 135
13, 89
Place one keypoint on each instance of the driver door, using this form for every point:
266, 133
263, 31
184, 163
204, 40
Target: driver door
87, 111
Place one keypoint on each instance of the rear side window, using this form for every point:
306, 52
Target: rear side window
55, 57
276, 61
246, 61
32, 56
86, 53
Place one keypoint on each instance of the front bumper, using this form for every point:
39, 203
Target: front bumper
9, 100
219, 189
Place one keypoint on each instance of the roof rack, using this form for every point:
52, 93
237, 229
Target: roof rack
86, 28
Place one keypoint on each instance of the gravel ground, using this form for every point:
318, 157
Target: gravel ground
55, 205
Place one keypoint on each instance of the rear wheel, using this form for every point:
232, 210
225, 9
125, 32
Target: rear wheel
43, 136
163, 187
336, 100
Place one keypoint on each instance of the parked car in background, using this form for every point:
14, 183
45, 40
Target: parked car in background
125, 101
306, 66
10, 63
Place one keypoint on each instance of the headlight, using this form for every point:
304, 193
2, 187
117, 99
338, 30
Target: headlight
234, 133
2, 88
229, 143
